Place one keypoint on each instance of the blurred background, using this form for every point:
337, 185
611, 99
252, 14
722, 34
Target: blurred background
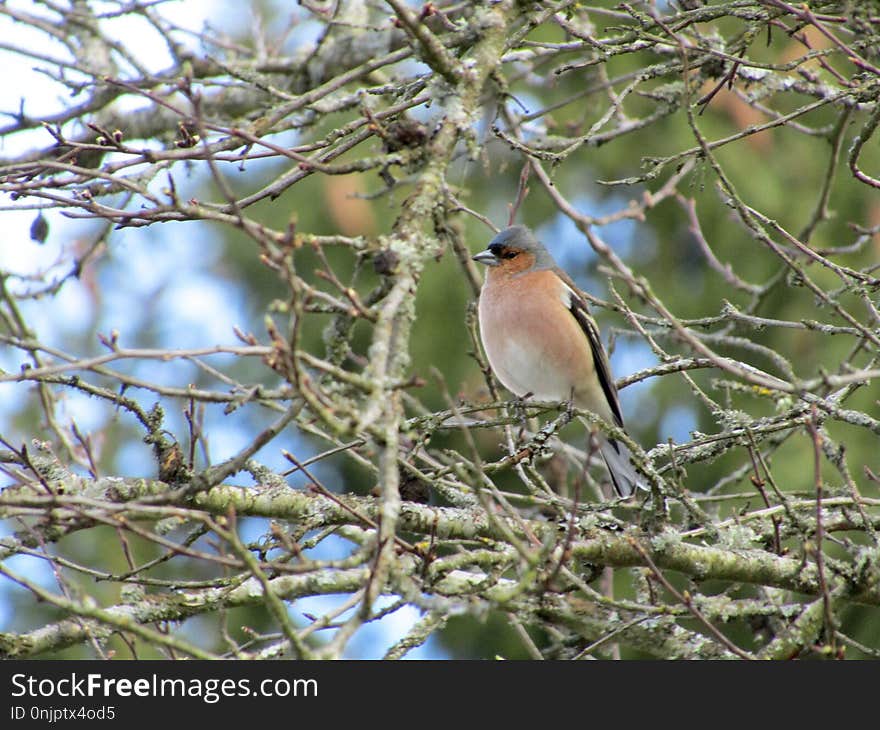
188, 284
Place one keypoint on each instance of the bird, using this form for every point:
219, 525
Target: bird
543, 343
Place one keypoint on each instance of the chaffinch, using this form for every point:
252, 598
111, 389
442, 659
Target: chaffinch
542, 342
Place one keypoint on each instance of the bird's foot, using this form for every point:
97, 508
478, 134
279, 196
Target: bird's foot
569, 408
519, 412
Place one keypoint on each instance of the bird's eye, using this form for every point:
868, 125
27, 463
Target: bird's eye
502, 252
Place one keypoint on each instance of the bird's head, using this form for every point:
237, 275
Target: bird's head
515, 250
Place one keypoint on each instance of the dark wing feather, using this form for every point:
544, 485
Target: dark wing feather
578, 308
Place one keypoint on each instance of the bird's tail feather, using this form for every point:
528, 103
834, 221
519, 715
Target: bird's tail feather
623, 474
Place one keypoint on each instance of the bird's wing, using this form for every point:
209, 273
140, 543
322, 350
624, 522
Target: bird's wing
577, 305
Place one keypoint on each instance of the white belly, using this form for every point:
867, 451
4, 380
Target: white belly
523, 369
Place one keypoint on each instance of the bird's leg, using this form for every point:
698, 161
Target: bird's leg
519, 412
569, 406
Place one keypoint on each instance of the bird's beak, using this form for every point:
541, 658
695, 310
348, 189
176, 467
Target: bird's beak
486, 257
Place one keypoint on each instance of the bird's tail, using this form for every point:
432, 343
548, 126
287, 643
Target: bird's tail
623, 474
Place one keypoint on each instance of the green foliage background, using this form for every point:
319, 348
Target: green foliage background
779, 172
